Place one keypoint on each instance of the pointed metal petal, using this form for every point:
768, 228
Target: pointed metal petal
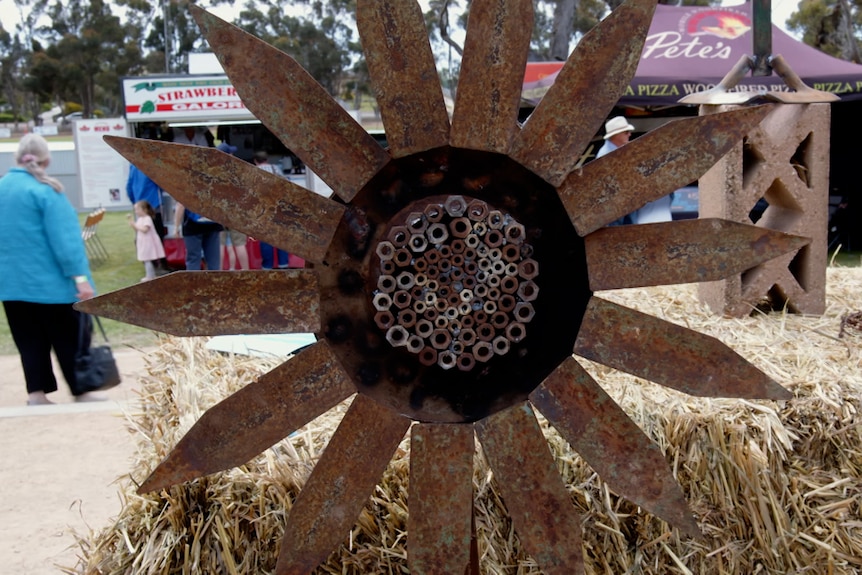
217, 303
405, 79
492, 74
611, 443
441, 498
540, 507
652, 166
680, 252
339, 486
586, 89
669, 354
256, 417
238, 194
298, 110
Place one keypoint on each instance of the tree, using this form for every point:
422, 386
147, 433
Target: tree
557, 23
16, 49
43, 81
438, 18
571, 19
321, 45
12, 62
564, 24
832, 26
173, 38
164, 32
88, 48
30, 12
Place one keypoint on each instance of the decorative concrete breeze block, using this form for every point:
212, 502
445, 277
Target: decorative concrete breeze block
785, 160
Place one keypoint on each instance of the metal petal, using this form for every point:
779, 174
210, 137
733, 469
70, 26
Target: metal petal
540, 507
217, 303
586, 89
680, 252
492, 74
652, 166
441, 498
669, 354
256, 417
238, 194
340, 484
298, 110
405, 79
611, 443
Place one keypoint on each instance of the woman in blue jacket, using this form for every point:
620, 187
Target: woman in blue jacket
43, 270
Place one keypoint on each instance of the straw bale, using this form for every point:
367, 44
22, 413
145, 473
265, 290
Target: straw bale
776, 487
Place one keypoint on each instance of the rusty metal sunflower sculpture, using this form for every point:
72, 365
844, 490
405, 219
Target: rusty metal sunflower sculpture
452, 280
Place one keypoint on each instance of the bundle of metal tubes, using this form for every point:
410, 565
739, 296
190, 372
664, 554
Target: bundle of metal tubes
455, 283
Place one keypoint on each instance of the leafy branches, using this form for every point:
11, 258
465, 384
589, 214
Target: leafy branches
832, 26
76, 50
323, 46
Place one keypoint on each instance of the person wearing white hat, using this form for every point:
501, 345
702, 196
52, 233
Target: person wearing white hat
617, 133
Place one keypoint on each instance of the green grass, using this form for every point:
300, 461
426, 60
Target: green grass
122, 269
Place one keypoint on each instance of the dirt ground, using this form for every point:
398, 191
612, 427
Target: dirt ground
60, 465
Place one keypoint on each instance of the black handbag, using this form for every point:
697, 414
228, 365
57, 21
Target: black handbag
95, 366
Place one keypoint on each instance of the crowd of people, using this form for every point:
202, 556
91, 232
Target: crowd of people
205, 241
38, 293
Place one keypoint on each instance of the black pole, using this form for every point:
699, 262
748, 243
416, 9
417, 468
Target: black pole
762, 17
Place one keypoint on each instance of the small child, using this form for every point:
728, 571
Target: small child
150, 248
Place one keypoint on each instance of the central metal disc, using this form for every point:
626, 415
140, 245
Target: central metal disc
454, 285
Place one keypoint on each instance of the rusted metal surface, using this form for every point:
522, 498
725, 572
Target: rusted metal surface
492, 74
256, 417
237, 194
669, 354
403, 74
298, 110
612, 444
441, 498
652, 166
413, 382
410, 221
584, 92
339, 486
473, 568
217, 303
680, 252
545, 519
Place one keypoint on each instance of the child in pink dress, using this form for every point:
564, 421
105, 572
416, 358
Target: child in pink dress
150, 248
